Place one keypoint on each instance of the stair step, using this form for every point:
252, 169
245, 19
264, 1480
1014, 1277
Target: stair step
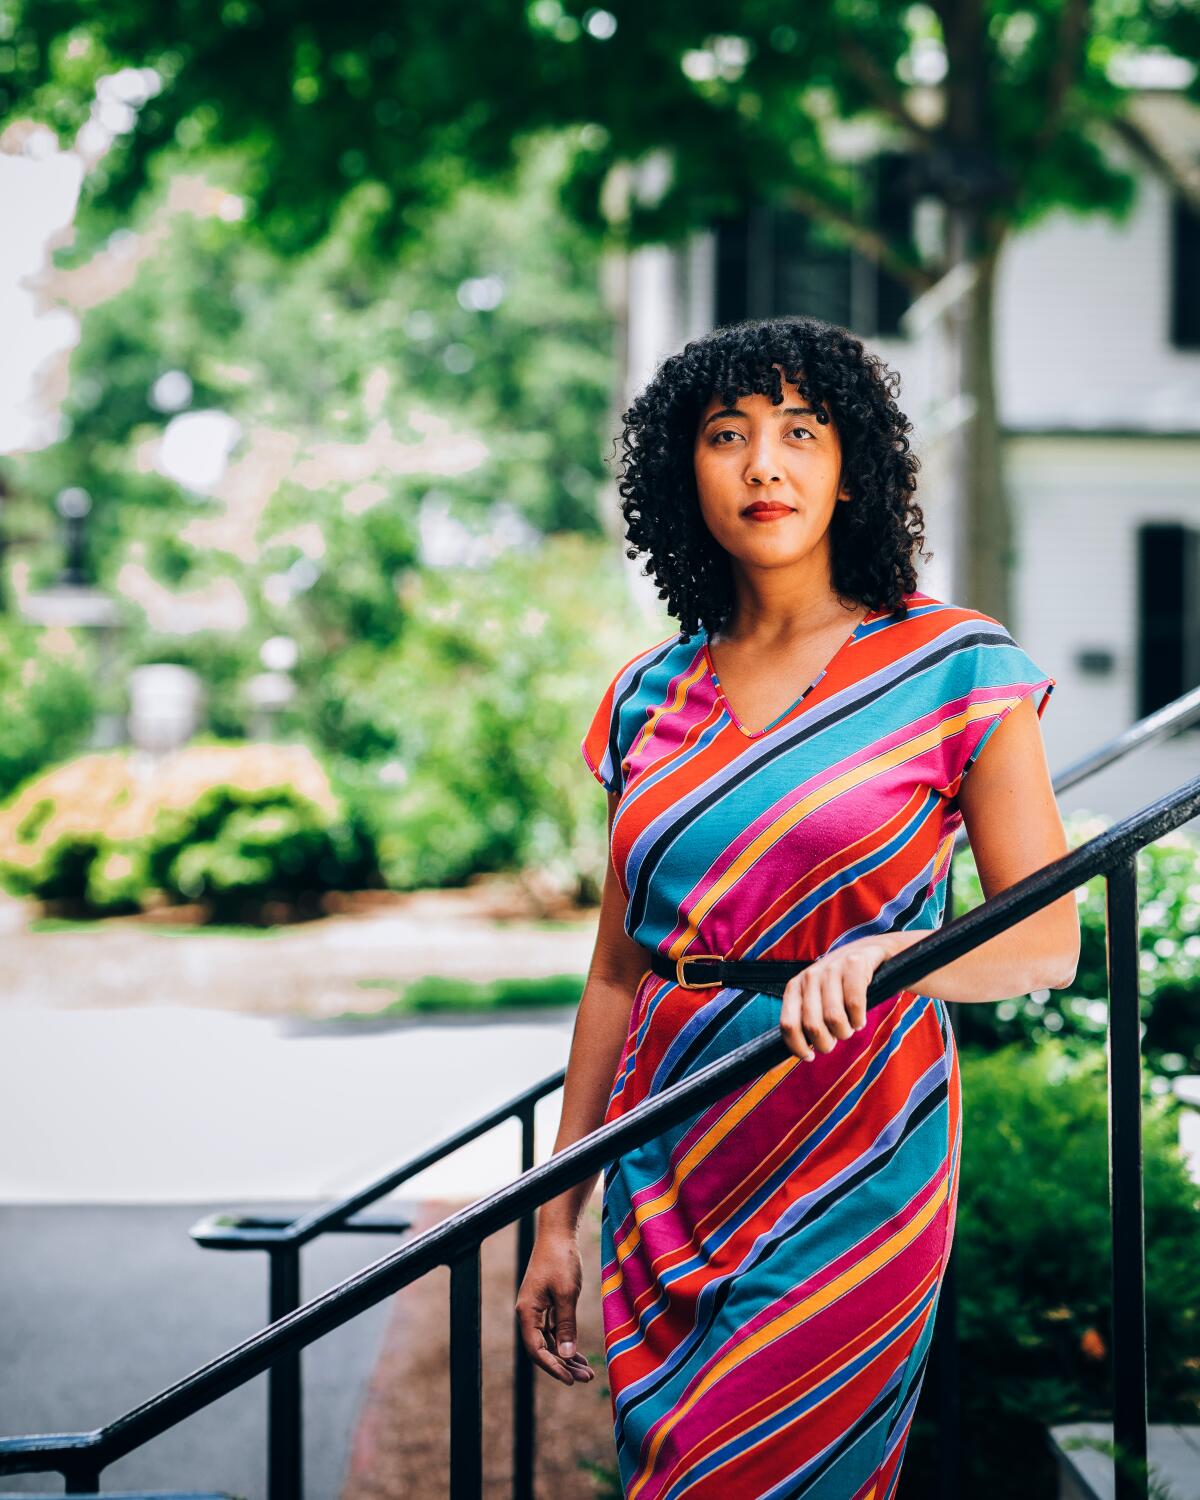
1087, 1474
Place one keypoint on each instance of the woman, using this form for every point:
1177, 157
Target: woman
785, 778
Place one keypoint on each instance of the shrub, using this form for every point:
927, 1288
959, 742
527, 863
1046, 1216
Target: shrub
234, 827
1169, 891
476, 714
1032, 1255
47, 705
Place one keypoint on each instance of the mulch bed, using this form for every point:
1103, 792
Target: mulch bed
401, 1445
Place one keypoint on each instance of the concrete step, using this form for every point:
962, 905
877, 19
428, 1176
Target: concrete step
1086, 1472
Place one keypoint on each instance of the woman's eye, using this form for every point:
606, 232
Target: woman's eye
729, 432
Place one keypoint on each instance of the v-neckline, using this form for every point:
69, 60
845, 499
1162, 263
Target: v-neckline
755, 734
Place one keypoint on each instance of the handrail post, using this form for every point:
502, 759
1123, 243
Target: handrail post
456, 1240
82, 1478
523, 1395
945, 1332
466, 1378
1125, 1184
285, 1405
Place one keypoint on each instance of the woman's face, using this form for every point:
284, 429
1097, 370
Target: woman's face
756, 454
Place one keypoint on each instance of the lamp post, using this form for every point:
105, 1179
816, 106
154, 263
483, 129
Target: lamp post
271, 691
72, 603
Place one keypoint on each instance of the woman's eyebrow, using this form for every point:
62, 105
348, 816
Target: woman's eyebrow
786, 411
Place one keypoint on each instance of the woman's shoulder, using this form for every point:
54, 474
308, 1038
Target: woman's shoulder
969, 652
930, 616
662, 650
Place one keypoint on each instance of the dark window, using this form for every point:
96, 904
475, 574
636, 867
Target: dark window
1168, 614
895, 198
772, 262
1185, 275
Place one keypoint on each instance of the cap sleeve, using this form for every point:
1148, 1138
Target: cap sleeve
986, 676
602, 745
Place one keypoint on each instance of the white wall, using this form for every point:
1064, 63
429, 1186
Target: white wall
1082, 343
1078, 502
1083, 332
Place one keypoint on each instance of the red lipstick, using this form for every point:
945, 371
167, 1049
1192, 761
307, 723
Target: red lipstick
766, 510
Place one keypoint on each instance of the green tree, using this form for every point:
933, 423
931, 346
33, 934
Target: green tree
1002, 106
492, 324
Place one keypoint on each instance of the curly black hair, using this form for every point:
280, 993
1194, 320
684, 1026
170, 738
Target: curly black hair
873, 537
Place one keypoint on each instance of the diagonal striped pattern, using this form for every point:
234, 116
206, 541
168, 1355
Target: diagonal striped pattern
771, 1266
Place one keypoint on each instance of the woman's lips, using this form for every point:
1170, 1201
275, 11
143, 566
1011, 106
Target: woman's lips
767, 512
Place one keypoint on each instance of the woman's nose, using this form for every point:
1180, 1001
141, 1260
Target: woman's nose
762, 465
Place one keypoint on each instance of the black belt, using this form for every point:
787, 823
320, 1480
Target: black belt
700, 971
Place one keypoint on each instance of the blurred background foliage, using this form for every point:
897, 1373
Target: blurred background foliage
1033, 1273
46, 699
374, 267
491, 327
411, 500
1169, 880
453, 749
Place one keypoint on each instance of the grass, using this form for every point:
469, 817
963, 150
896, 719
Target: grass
434, 994
164, 929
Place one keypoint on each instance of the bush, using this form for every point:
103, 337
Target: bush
234, 827
1032, 1255
476, 714
1169, 890
47, 705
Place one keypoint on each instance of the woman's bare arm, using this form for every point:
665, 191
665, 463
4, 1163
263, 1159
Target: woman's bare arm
549, 1293
1013, 823
601, 1023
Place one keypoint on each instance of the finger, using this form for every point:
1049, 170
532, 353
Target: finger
541, 1351
563, 1367
833, 1005
538, 1343
529, 1317
575, 1363
854, 993
812, 1013
789, 1019
579, 1367
564, 1323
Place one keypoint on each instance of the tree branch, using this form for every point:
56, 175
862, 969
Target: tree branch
1068, 55
861, 237
882, 88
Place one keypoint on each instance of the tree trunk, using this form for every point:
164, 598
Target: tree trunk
983, 521
987, 524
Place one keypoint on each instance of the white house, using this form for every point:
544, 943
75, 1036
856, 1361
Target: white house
1098, 369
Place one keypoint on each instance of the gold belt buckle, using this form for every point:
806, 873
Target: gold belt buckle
695, 957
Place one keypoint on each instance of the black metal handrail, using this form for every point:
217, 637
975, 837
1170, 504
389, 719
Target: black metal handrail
282, 1238
1159, 725
456, 1241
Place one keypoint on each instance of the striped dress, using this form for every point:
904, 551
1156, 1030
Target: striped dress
771, 1265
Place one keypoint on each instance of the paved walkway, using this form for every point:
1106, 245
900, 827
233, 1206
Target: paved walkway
314, 969
399, 1453
178, 1105
154, 1078
157, 1068
101, 1307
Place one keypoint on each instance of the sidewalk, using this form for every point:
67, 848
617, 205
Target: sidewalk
179, 1105
101, 1307
153, 1078
308, 969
